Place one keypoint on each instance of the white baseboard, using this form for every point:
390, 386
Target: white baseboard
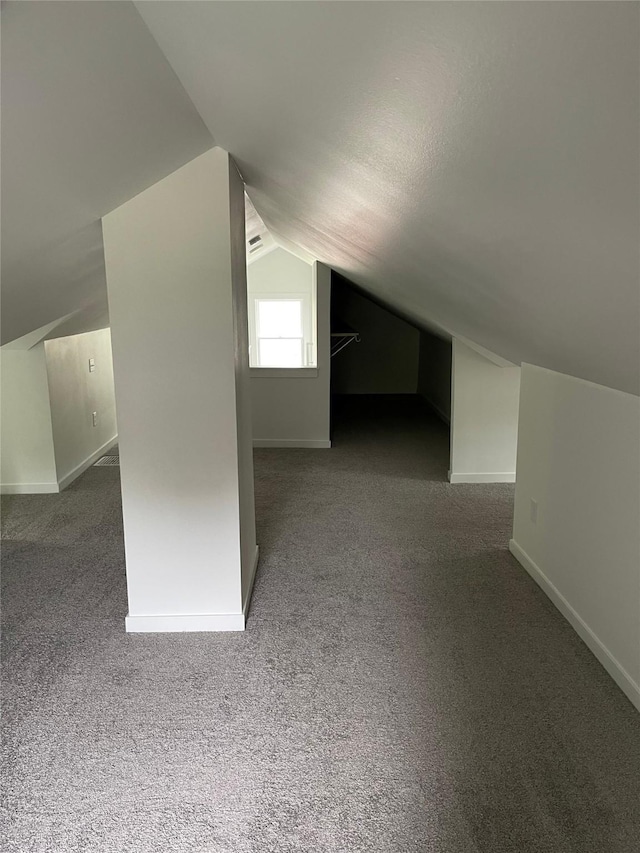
443, 417
491, 477
622, 678
29, 488
254, 569
187, 622
195, 621
86, 463
290, 442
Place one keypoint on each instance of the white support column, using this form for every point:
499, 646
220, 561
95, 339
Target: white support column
176, 278
484, 417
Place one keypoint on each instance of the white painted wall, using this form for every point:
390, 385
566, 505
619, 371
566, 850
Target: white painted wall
244, 423
176, 281
27, 459
579, 459
280, 272
484, 418
385, 361
434, 373
74, 394
291, 408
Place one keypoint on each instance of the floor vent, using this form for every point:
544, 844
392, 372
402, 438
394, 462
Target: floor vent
108, 460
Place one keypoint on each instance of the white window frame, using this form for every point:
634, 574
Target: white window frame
308, 336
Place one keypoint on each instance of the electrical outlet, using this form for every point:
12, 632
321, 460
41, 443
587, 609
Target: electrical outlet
92, 365
94, 418
533, 511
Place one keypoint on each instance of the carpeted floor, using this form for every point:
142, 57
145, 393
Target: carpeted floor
402, 686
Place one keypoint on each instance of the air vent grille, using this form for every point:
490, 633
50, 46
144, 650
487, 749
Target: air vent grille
108, 460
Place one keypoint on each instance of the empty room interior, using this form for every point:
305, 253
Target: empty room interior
320, 427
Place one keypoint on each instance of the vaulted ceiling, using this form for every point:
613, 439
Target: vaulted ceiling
92, 114
473, 165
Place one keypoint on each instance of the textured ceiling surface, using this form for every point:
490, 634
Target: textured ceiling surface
473, 165
92, 114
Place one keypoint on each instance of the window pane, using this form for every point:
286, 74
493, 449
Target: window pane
280, 352
279, 318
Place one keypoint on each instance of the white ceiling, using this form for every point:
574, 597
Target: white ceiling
92, 114
474, 165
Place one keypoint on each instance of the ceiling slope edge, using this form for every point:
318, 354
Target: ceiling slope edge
32, 339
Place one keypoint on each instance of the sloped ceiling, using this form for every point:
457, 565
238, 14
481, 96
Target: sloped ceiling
92, 114
259, 240
474, 165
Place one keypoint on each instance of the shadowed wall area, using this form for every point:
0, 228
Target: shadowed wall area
403, 685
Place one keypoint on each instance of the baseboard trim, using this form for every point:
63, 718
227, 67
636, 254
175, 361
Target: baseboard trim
209, 622
182, 623
254, 569
619, 674
86, 463
290, 442
491, 477
29, 489
443, 417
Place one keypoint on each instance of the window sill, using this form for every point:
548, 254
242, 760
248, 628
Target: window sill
283, 372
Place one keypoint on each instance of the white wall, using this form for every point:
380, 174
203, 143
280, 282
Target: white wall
27, 458
244, 423
279, 272
75, 393
484, 418
385, 361
579, 459
291, 408
177, 283
434, 373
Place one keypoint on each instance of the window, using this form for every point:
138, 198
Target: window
280, 332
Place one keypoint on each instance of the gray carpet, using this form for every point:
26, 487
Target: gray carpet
402, 686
